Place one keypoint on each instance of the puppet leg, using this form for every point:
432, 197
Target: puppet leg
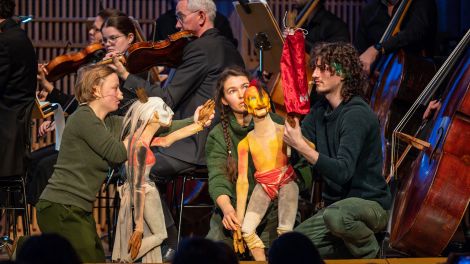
257, 207
287, 207
154, 227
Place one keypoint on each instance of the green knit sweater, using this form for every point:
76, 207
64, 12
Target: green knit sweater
216, 156
350, 160
89, 146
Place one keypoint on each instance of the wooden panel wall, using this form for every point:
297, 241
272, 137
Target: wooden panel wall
61, 23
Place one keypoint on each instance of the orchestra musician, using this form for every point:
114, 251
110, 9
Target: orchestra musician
417, 33
18, 68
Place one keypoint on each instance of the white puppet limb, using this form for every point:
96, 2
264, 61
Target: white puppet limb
257, 207
287, 207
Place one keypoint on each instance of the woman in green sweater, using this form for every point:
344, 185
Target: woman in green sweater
90, 146
221, 155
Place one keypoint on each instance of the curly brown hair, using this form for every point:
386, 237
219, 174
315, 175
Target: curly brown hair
341, 59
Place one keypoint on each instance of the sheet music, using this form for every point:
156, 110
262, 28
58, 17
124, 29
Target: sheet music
59, 120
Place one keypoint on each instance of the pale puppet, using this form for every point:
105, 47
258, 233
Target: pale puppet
141, 227
274, 176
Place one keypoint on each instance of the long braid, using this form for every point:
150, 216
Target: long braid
231, 164
231, 168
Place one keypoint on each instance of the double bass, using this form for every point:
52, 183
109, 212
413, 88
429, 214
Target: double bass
400, 78
432, 199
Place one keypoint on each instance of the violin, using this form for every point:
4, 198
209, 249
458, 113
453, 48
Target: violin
145, 55
71, 62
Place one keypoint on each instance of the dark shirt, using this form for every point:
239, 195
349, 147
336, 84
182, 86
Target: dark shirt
417, 33
166, 25
325, 27
18, 70
350, 158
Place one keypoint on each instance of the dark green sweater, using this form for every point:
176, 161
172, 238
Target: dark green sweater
350, 160
216, 155
88, 148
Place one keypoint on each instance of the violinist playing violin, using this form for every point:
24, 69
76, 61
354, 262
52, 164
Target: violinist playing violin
347, 156
417, 33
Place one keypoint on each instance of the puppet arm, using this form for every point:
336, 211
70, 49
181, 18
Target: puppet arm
203, 119
179, 134
242, 192
139, 197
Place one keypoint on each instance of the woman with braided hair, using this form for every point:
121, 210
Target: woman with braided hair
221, 155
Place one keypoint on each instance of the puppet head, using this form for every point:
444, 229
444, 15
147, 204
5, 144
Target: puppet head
257, 101
140, 114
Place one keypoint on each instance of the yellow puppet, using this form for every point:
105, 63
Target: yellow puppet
274, 176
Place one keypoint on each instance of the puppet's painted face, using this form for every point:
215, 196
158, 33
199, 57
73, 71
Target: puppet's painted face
256, 104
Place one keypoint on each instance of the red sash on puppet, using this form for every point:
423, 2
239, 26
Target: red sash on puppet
273, 180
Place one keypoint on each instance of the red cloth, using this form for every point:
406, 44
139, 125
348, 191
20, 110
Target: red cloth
294, 74
273, 180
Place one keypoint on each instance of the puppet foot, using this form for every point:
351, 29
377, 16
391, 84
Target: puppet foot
258, 254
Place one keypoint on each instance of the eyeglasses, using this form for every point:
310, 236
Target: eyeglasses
181, 17
112, 39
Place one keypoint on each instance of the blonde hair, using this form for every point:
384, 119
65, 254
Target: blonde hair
88, 78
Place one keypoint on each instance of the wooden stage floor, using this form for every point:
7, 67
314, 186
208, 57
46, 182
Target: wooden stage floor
375, 261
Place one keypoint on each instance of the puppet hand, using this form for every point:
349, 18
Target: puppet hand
238, 243
205, 113
134, 243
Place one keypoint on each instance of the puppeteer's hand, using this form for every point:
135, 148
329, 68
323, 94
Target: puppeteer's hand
134, 243
205, 113
230, 220
368, 58
238, 243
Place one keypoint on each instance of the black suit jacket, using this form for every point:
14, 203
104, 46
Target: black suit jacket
194, 82
18, 69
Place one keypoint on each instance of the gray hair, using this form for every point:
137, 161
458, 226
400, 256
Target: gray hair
139, 115
208, 6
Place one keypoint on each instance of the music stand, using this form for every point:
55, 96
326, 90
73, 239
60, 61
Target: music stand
260, 24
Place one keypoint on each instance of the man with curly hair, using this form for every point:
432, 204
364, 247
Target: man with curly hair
347, 156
